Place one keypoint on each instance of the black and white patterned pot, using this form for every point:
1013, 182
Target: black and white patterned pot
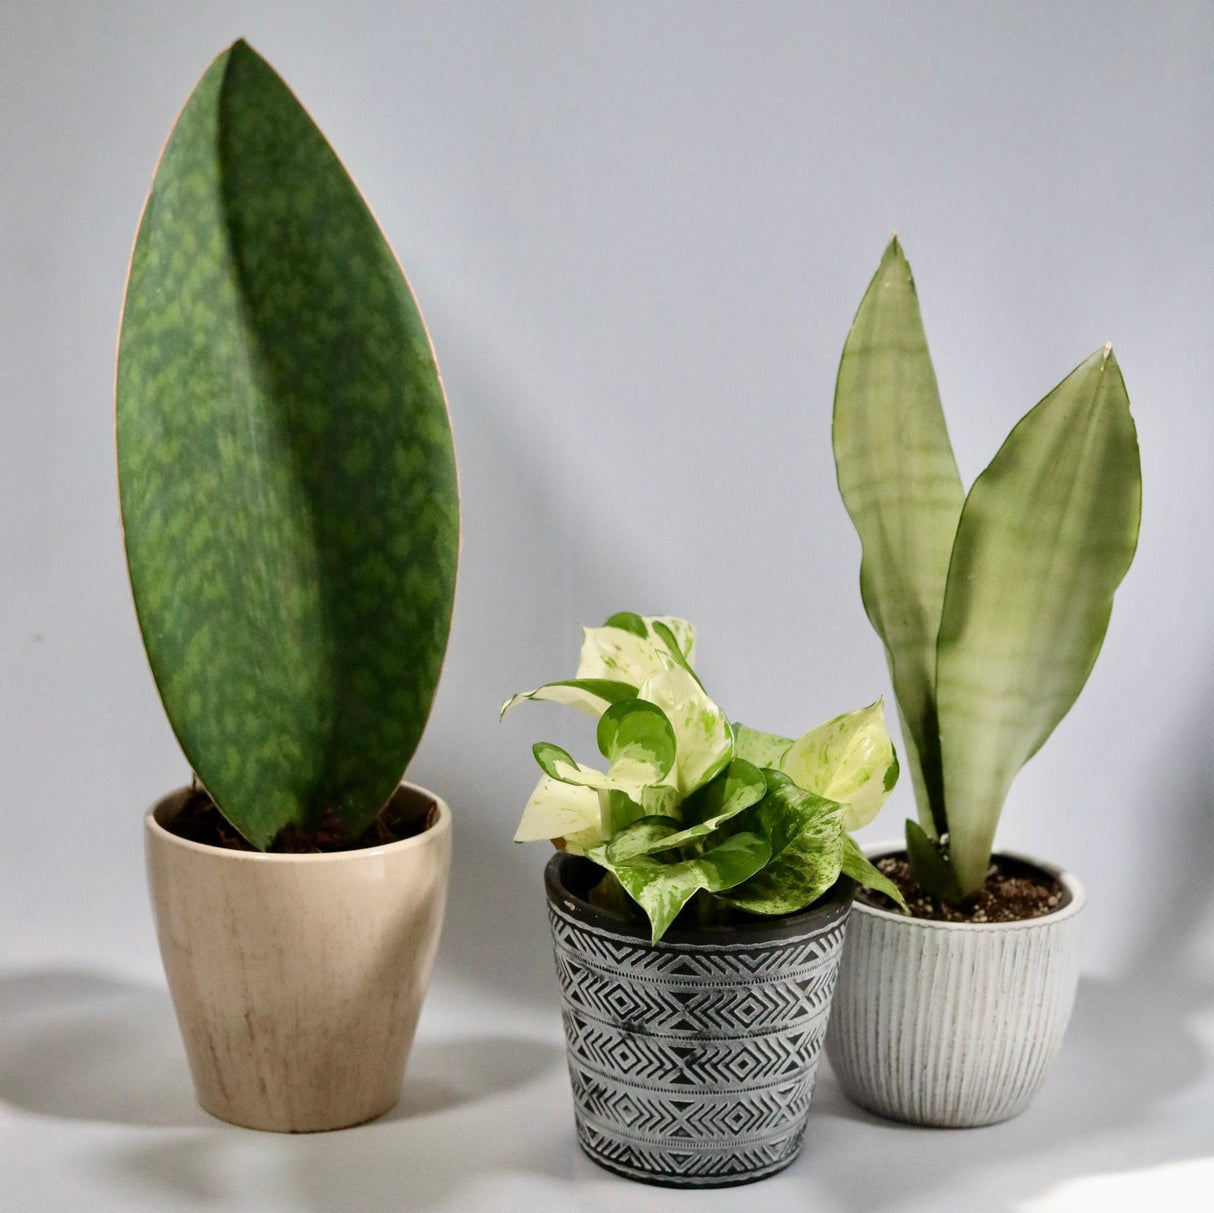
692, 1061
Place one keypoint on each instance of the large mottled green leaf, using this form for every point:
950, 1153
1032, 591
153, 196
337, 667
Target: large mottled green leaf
662, 886
900, 484
806, 836
849, 759
1048, 532
590, 695
286, 467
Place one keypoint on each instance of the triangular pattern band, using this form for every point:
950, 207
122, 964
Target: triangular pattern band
692, 1065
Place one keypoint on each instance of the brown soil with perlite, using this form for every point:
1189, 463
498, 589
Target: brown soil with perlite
1014, 890
200, 821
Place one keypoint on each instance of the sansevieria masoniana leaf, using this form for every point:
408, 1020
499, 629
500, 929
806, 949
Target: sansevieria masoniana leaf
1047, 534
899, 481
286, 467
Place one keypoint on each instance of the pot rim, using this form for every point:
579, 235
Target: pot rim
441, 825
1068, 880
764, 930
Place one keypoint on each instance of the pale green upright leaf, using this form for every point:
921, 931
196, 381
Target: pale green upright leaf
285, 463
849, 759
1048, 532
900, 484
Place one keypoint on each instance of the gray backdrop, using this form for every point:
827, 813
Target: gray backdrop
638, 233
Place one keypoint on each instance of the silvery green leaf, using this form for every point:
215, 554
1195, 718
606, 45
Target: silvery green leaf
763, 749
849, 759
899, 481
930, 865
560, 810
806, 836
590, 695
857, 866
662, 889
703, 734
1048, 532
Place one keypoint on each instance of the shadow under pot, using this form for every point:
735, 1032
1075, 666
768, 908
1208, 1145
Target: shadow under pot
954, 1024
298, 979
692, 1061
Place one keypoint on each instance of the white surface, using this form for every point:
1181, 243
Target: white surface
639, 233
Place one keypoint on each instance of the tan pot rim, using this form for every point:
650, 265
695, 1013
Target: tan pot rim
441, 826
1068, 880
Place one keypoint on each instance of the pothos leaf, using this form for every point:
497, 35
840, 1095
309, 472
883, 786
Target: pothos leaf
849, 759
620, 655
763, 749
725, 797
560, 810
857, 866
638, 741
590, 695
663, 888
703, 734
805, 833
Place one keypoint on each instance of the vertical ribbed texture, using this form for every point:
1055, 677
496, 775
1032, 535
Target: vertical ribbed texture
952, 1024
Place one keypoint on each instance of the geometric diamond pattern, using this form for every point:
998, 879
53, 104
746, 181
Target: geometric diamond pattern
693, 1065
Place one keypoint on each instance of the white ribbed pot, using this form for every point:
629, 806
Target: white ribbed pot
298, 979
953, 1024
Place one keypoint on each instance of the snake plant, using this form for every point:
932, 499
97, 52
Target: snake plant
286, 469
692, 806
992, 605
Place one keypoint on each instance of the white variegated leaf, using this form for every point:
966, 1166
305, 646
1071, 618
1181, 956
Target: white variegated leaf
560, 810
618, 655
704, 739
849, 760
592, 696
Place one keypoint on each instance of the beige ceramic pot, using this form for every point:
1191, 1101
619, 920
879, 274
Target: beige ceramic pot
298, 979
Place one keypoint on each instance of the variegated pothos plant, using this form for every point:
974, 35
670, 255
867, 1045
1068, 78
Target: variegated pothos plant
692, 805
